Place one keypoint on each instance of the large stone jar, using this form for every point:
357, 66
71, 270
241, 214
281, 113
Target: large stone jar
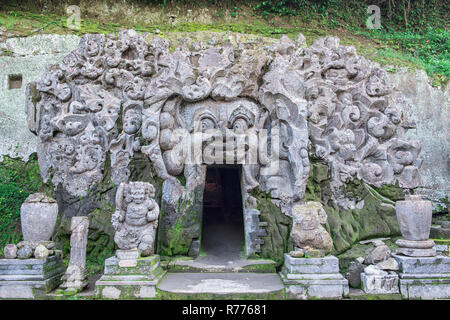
414, 217
38, 217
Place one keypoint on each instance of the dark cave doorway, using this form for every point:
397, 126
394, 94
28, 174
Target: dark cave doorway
223, 219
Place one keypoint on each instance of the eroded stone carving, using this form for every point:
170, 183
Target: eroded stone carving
116, 95
75, 276
307, 231
136, 217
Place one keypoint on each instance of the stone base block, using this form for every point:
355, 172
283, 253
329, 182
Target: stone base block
331, 286
141, 266
325, 265
127, 254
416, 252
29, 278
380, 284
130, 279
423, 265
424, 248
424, 277
425, 288
313, 278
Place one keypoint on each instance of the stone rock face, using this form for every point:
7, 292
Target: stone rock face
374, 270
24, 253
41, 252
354, 274
431, 113
389, 264
10, 251
122, 95
34, 244
377, 254
38, 217
75, 275
297, 253
307, 230
28, 57
136, 217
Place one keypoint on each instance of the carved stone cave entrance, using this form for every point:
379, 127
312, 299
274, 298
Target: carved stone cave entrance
223, 223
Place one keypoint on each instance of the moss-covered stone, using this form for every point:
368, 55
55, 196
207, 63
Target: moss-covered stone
277, 241
179, 226
376, 218
360, 250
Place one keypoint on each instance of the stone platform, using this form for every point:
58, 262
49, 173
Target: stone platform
208, 264
30, 278
306, 278
130, 278
221, 286
424, 277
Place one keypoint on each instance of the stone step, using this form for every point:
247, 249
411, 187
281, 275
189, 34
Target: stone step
221, 286
234, 266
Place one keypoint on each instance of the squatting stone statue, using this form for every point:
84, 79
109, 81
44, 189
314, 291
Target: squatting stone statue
136, 217
307, 230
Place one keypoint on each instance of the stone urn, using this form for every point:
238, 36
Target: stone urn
38, 217
414, 217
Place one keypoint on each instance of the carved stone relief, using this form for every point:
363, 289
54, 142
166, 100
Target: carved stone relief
119, 94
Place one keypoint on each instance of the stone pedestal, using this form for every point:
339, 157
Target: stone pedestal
129, 277
411, 248
30, 278
313, 278
424, 277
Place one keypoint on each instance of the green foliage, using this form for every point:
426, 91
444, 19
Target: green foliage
413, 34
17, 180
416, 31
430, 47
397, 14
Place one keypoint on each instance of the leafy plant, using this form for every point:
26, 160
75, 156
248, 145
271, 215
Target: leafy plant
17, 180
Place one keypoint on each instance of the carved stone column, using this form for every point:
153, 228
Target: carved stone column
75, 276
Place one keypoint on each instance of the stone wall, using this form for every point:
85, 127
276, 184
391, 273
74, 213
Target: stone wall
24, 60
30, 56
431, 114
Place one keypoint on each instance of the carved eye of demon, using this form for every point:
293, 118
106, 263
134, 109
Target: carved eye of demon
136, 196
207, 121
240, 124
206, 124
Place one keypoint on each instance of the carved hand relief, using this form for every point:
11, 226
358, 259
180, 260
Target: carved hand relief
116, 95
